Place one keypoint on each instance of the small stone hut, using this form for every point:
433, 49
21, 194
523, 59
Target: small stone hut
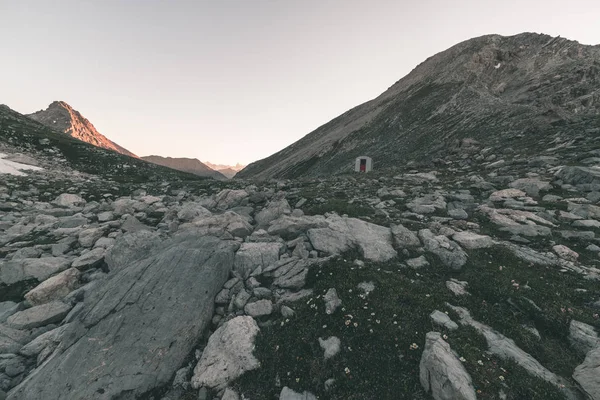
363, 164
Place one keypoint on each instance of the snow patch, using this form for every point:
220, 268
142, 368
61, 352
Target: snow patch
14, 168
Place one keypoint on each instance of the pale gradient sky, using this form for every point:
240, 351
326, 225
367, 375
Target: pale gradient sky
236, 80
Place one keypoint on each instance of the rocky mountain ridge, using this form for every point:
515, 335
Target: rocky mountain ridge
63, 118
191, 165
498, 91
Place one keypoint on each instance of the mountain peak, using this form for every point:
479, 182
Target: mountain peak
61, 117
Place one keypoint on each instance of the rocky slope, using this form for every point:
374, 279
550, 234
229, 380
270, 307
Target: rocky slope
191, 165
63, 118
26, 141
494, 90
474, 280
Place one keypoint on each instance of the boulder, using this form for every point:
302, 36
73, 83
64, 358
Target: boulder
441, 372
274, 210
137, 329
229, 198
579, 175
470, 240
331, 346
332, 301
191, 211
259, 308
587, 374
289, 394
449, 252
253, 255
441, 319
583, 337
404, 238
69, 200
228, 223
343, 234
88, 237
289, 227
32, 268
91, 259
228, 354
54, 288
41, 315
531, 186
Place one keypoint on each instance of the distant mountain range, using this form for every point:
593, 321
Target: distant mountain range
63, 118
191, 165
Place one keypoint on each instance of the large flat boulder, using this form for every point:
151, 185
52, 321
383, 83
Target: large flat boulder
37, 316
32, 268
342, 234
136, 330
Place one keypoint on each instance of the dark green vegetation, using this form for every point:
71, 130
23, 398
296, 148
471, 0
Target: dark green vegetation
377, 350
24, 134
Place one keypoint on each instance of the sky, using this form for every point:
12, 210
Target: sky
231, 81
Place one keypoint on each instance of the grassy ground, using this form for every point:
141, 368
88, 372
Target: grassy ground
377, 331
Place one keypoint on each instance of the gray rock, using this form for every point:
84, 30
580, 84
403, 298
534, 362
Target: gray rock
449, 252
132, 224
228, 223
331, 346
274, 210
91, 259
230, 395
106, 216
459, 288
470, 240
587, 374
587, 223
41, 315
418, 262
286, 312
241, 299
228, 354
332, 301
441, 373
404, 238
50, 338
32, 268
289, 227
441, 319
69, 200
343, 234
583, 337
54, 288
289, 394
190, 211
252, 255
131, 247
7, 308
531, 186
259, 308
143, 303
579, 175
88, 237
229, 198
